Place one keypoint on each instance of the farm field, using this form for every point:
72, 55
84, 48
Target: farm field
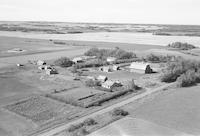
33, 100
175, 108
117, 37
134, 126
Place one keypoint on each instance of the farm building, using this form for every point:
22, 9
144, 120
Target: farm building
115, 67
102, 78
111, 59
41, 62
20, 65
139, 65
88, 57
106, 69
41, 67
110, 84
51, 71
47, 67
77, 60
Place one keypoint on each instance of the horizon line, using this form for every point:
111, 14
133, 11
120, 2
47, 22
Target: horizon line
76, 22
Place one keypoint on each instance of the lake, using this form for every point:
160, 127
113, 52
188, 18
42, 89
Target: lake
138, 38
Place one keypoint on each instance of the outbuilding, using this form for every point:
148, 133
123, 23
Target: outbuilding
111, 59
41, 62
51, 71
77, 60
102, 78
106, 69
115, 67
109, 84
41, 67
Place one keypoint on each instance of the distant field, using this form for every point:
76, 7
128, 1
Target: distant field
178, 109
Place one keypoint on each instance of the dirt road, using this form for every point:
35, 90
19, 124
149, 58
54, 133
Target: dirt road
58, 129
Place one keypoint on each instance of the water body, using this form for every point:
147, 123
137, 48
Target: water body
138, 38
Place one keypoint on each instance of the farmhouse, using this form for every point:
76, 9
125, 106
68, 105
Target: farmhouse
111, 59
51, 71
41, 62
77, 60
111, 84
106, 69
102, 78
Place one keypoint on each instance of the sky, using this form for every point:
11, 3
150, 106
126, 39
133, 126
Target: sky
103, 11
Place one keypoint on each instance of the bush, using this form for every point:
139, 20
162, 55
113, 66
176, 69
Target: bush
93, 63
63, 62
182, 46
72, 128
132, 86
158, 58
82, 132
92, 83
188, 79
119, 112
187, 70
148, 70
89, 122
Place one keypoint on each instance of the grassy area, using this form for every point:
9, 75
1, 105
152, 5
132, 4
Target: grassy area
175, 108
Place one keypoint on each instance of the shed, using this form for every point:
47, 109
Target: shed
20, 65
115, 67
110, 84
77, 60
139, 65
41, 62
41, 67
47, 67
102, 78
106, 69
111, 59
51, 71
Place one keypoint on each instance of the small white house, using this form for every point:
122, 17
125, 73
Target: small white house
115, 67
102, 78
41, 62
20, 65
111, 84
47, 67
77, 60
51, 71
111, 59
106, 69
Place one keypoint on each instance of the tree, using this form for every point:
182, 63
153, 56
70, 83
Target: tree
132, 86
148, 70
63, 62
